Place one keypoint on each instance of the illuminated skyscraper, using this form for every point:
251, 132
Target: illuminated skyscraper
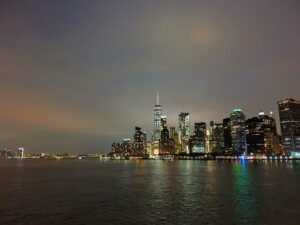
184, 131
238, 133
157, 121
208, 141
184, 125
217, 138
271, 138
140, 143
157, 114
289, 114
197, 140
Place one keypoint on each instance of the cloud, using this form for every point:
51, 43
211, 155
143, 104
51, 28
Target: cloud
85, 73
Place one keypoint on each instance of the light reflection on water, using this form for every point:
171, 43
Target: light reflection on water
243, 193
149, 192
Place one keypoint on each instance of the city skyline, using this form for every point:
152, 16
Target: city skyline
236, 136
151, 131
76, 75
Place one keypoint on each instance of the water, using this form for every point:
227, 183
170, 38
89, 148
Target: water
37, 192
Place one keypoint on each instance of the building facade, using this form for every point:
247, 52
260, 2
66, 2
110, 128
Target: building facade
175, 137
255, 136
197, 140
140, 142
157, 121
184, 131
289, 115
217, 138
167, 144
238, 132
227, 136
271, 137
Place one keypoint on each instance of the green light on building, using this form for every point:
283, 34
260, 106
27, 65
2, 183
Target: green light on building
237, 110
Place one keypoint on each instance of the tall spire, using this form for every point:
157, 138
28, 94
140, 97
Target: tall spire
157, 119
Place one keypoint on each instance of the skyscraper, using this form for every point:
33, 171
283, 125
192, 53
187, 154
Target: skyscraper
271, 138
172, 131
157, 121
164, 134
197, 140
140, 143
184, 131
227, 135
255, 136
208, 141
289, 114
175, 138
238, 133
217, 138
167, 144
157, 114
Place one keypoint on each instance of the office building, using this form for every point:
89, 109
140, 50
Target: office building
173, 134
255, 136
238, 132
271, 138
184, 131
167, 144
217, 138
139, 143
227, 136
197, 140
157, 121
289, 115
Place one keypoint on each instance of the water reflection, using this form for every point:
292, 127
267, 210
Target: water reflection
189, 192
243, 193
149, 192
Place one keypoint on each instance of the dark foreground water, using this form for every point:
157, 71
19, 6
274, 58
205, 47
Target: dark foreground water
149, 192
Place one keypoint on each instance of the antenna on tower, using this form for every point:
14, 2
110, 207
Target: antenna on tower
157, 98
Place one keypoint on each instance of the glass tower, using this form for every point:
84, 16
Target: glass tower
157, 114
255, 136
197, 140
227, 135
157, 121
289, 115
184, 131
238, 132
217, 137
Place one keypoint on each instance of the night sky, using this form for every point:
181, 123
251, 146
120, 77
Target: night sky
77, 75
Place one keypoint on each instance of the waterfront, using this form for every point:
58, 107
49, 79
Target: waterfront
149, 192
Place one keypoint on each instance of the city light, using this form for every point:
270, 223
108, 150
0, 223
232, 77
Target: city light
235, 138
